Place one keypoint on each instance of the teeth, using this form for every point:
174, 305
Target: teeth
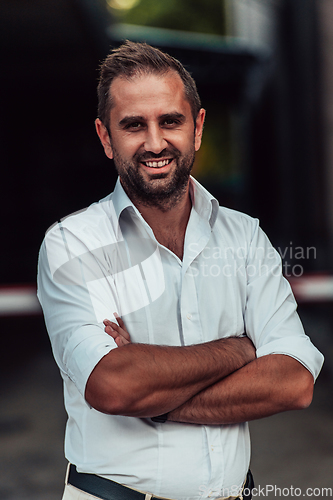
157, 164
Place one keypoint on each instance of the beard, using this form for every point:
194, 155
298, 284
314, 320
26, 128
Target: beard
162, 190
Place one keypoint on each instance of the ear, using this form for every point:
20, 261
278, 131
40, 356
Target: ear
104, 137
199, 125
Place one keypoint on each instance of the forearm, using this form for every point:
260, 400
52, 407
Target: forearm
268, 385
146, 380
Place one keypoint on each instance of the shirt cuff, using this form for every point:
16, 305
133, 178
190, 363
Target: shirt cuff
83, 351
299, 348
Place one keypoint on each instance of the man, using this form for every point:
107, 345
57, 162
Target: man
204, 326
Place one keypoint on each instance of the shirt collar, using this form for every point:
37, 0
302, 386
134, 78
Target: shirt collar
202, 201
120, 199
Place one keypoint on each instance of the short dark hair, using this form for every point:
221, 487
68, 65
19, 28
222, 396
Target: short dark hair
133, 58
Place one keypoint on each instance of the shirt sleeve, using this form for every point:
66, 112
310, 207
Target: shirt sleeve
76, 295
271, 318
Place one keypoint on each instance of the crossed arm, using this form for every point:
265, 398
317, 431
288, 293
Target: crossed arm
218, 382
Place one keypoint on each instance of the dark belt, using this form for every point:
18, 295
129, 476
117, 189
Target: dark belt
110, 490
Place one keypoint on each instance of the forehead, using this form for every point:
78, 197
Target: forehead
147, 93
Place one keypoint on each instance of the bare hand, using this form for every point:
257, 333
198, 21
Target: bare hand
119, 332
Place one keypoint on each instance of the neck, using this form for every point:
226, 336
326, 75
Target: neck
171, 218
168, 223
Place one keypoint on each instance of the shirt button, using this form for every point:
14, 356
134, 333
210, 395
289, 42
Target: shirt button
189, 316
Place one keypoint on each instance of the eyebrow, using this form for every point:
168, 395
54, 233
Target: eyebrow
173, 116
131, 119
167, 116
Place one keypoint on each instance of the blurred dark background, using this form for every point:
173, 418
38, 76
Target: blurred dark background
264, 70
261, 69
263, 148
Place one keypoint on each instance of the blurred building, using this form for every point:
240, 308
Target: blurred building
254, 21
325, 20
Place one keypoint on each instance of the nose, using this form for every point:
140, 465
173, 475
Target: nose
154, 140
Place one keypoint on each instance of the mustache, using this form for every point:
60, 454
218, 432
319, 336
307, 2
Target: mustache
149, 155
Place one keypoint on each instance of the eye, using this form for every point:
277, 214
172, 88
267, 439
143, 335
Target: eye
134, 126
170, 122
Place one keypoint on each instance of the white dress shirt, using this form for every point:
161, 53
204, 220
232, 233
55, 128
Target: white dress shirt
106, 259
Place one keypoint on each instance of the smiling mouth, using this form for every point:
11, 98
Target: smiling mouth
157, 164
